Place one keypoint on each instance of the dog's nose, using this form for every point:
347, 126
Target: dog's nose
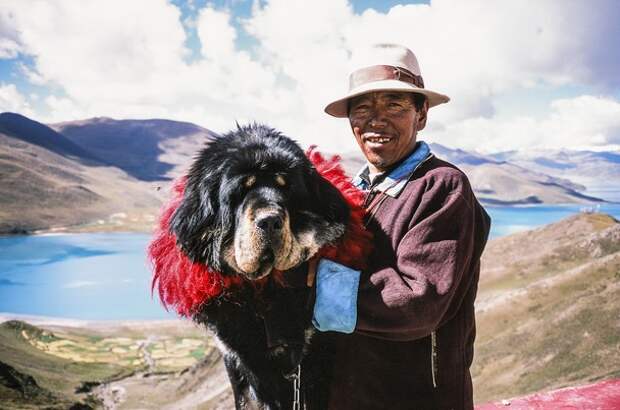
270, 224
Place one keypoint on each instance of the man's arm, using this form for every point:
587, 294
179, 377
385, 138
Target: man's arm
411, 298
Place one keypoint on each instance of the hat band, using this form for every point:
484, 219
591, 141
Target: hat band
383, 72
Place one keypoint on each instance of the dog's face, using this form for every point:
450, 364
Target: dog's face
253, 202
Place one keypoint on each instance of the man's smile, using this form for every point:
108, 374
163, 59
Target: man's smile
376, 139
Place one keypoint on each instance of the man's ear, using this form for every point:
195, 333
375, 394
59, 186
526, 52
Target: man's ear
422, 115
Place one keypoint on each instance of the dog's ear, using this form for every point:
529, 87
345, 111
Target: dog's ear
329, 201
194, 223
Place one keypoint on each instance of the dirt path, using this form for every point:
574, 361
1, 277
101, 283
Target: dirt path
114, 393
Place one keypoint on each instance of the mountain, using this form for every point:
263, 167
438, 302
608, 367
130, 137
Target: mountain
596, 170
148, 150
32, 132
548, 308
461, 157
500, 182
102, 173
48, 181
159, 149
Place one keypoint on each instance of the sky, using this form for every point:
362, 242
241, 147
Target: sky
521, 76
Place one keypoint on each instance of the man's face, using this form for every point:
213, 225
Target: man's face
385, 125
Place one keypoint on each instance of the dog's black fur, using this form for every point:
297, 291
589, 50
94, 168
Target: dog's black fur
264, 332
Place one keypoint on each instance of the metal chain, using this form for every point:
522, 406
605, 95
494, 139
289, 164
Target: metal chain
297, 389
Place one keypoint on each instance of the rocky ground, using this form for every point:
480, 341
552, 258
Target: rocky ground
547, 310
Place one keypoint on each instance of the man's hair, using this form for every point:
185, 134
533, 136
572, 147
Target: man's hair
418, 100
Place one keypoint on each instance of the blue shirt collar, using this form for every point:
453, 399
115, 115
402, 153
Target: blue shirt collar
395, 181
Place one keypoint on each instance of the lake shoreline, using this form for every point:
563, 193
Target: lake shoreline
40, 320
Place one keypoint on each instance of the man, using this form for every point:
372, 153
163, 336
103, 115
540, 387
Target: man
407, 321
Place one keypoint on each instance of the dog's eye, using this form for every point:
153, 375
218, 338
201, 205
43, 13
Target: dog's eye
280, 180
249, 181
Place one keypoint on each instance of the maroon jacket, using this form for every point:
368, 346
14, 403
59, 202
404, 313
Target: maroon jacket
413, 343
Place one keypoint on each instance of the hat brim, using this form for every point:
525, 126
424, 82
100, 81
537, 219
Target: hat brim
340, 108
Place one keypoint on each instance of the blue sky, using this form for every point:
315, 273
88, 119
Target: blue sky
538, 77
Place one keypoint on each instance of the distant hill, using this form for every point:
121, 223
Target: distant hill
461, 157
159, 149
548, 308
599, 171
102, 173
499, 182
48, 181
148, 150
33, 132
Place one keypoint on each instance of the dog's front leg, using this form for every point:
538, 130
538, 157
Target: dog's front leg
245, 397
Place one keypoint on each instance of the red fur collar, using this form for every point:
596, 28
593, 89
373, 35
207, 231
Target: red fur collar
185, 285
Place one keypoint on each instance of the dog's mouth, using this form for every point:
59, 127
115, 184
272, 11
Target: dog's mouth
266, 265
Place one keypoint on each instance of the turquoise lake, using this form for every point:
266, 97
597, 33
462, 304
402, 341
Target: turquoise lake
105, 276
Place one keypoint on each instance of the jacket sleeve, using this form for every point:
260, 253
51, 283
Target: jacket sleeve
411, 298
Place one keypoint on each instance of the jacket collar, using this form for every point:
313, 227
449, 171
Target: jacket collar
395, 180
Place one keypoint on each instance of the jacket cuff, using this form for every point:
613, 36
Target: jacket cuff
335, 306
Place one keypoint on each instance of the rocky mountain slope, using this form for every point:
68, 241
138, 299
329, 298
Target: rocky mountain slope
548, 308
497, 181
158, 149
45, 185
101, 174
547, 314
148, 150
593, 169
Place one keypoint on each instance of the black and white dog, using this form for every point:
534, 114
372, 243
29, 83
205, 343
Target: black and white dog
231, 252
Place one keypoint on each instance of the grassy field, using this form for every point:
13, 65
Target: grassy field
65, 361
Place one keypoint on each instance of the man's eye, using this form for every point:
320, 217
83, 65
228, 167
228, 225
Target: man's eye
395, 105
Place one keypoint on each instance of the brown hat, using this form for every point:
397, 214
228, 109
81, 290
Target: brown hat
384, 67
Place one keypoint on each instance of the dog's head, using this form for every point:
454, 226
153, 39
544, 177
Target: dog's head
254, 202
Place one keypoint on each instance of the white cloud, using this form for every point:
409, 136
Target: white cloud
216, 34
12, 100
128, 60
584, 121
9, 37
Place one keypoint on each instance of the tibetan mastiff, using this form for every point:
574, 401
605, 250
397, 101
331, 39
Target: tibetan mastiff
231, 252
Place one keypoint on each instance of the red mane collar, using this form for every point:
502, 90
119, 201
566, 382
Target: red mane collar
185, 285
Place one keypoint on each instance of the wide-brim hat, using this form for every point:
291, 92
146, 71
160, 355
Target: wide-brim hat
384, 67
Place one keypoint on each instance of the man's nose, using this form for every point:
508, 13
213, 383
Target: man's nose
377, 121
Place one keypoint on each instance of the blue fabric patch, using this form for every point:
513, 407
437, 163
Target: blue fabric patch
394, 183
335, 307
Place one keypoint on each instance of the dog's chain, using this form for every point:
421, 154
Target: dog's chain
297, 389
